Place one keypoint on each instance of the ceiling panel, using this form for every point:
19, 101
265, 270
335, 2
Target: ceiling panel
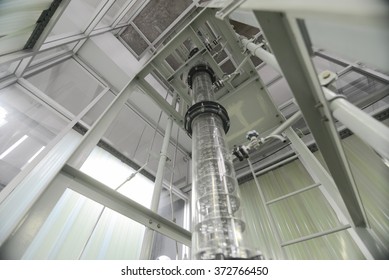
157, 15
134, 40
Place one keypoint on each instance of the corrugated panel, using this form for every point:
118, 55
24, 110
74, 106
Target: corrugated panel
372, 179
298, 216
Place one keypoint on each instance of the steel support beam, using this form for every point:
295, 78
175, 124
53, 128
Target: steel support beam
112, 199
165, 106
293, 58
93, 136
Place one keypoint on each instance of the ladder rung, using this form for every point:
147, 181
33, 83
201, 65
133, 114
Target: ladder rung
315, 235
293, 193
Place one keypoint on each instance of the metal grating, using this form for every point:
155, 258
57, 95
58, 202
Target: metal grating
134, 40
158, 15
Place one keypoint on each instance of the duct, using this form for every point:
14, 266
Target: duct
217, 224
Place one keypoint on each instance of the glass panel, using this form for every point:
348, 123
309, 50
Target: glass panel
110, 171
126, 134
46, 55
115, 237
68, 84
356, 86
7, 69
322, 64
76, 17
26, 127
18, 20
80, 228
112, 14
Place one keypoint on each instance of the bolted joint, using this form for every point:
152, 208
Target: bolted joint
205, 107
200, 68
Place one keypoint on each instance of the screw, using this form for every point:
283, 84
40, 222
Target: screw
318, 105
326, 74
150, 222
158, 226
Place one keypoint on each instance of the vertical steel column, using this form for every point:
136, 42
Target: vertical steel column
216, 215
148, 238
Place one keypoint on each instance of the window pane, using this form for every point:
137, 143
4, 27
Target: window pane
110, 171
76, 17
355, 86
112, 14
68, 84
26, 127
18, 20
7, 69
46, 55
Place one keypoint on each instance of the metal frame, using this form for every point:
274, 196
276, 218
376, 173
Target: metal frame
294, 59
285, 31
112, 199
294, 49
361, 235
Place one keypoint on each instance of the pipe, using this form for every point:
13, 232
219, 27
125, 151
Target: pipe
275, 136
259, 52
373, 132
293, 119
149, 234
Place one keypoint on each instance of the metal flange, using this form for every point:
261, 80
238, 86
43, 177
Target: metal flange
200, 68
206, 107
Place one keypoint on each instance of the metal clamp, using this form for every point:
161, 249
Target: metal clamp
200, 68
206, 107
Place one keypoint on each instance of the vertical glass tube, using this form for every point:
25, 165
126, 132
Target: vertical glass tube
216, 211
